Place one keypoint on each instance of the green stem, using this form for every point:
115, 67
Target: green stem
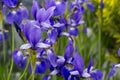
2, 27
101, 25
12, 49
24, 70
33, 63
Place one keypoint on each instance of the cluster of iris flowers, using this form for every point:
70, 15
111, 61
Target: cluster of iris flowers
55, 18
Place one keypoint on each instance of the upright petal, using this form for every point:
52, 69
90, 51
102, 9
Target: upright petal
90, 64
35, 36
10, 3
34, 8
69, 50
78, 63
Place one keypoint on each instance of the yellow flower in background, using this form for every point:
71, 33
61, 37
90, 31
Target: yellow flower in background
110, 7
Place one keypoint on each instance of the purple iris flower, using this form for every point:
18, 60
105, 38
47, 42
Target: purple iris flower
17, 15
88, 72
19, 59
78, 71
114, 66
32, 32
10, 3
90, 5
60, 6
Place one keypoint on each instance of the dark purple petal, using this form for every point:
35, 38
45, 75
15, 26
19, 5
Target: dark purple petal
65, 73
69, 50
73, 31
101, 5
10, 3
52, 35
52, 57
34, 8
112, 71
90, 64
10, 17
90, 6
40, 67
19, 59
78, 63
60, 8
119, 52
97, 75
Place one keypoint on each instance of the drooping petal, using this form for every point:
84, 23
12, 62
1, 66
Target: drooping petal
42, 45
60, 8
96, 75
40, 67
52, 57
65, 73
19, 59
73, 31
52, 35
25, 46
78, 63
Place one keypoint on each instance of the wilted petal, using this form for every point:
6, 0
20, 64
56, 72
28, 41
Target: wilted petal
52, 57
78, 63
25, 46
